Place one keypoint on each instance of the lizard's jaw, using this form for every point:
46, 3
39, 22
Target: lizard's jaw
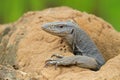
53, 32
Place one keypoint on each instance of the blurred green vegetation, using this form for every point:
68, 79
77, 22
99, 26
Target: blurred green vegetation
11, 10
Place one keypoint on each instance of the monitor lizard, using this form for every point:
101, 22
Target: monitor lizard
86, 52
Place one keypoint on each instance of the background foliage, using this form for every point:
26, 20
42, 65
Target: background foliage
11, 10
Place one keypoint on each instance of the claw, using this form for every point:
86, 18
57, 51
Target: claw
48, 62
57, 56
56, 65
51, 62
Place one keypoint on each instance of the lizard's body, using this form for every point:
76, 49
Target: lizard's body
87, 54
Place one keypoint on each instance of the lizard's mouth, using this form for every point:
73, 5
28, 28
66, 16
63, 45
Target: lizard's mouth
50, 31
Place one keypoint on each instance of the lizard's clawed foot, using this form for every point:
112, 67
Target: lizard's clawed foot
52, 61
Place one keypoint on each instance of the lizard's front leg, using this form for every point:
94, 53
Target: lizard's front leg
81, 61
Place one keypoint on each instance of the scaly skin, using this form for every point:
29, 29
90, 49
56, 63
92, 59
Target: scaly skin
86, 52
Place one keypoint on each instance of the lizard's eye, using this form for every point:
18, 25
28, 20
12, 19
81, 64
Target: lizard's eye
61, 26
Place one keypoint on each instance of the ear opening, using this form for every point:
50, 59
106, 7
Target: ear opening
72, 31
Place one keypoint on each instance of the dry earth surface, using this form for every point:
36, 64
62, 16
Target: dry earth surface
24, 47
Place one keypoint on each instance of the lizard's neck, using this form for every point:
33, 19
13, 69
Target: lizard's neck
71, 38
75, 38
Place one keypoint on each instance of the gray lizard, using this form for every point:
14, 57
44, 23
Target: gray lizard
86, 53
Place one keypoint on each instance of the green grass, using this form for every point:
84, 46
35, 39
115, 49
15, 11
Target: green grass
11, 10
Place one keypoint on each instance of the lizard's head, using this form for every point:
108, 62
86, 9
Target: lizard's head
59, 28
